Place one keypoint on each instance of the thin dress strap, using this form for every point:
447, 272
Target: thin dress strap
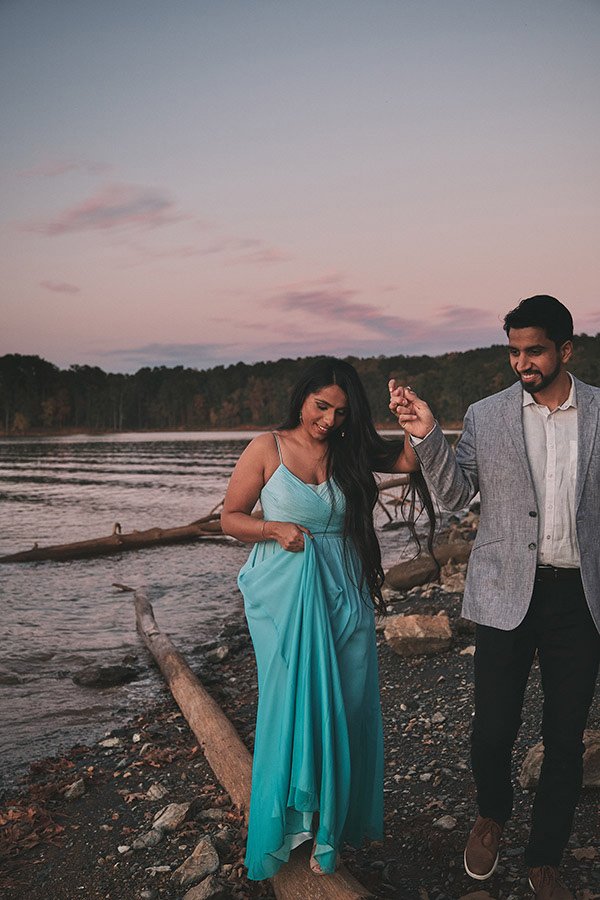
276, 436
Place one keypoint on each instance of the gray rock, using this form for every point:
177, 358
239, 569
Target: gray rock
110, 742
453, 577
203, 861
213, 815
445, 823
75, 791
156, 791
210, 887
105, 676
218, 654
171, 817
532, 764
148, 839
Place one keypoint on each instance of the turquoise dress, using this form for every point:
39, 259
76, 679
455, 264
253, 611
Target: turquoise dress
319, 741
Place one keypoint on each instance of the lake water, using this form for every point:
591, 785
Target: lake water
56, 618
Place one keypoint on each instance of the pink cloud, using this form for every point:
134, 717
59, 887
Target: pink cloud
262, 256
115, 206
61, 167
337, 305
245, 251
60, 287
449, 324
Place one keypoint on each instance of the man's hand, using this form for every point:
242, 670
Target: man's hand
412, 413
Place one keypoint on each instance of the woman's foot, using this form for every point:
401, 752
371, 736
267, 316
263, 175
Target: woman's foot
315, 868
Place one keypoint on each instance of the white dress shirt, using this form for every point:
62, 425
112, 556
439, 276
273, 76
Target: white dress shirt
551, 445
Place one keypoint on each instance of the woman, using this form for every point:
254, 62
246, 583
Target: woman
310, 586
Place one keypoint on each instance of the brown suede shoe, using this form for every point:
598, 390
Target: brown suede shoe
481, 852
546, 884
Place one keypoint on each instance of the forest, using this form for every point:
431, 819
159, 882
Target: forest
38, 397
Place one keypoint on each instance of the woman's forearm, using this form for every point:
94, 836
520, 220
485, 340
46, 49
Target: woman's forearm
243, 527
407, 460
250, 529
411, 460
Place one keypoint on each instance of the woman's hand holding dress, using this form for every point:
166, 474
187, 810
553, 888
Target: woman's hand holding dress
288, 535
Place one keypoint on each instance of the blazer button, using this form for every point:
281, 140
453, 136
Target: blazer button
532, 546
533, 514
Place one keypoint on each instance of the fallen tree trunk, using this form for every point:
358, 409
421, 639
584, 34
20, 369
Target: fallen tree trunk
206, 528
231, 761
209, 527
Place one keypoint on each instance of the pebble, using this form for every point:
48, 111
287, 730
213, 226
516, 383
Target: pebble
149, 839
445, 823
156, 791
75, 791
110, 742
218, 654
213, 815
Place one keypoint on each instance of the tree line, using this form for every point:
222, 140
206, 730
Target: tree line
37, 396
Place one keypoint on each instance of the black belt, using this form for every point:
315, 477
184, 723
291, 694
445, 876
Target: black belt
552, 573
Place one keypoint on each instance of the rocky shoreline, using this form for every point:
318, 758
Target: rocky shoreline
139, 814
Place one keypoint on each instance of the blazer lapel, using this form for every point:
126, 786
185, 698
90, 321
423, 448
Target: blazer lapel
587, 426
512, 411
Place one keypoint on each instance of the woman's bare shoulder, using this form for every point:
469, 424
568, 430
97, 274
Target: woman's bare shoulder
262, 447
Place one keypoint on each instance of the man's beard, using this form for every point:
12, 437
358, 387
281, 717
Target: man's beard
544, 382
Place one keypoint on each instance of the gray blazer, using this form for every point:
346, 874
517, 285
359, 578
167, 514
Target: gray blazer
491, 458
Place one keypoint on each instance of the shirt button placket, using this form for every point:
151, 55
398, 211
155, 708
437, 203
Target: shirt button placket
550, 482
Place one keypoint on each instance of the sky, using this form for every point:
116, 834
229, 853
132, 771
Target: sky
196, 183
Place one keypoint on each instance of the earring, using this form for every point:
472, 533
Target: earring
300, 417
343, 434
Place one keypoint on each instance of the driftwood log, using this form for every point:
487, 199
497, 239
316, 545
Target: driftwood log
207, 528
231, 761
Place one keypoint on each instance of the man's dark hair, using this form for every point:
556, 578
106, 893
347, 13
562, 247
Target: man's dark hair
544, 312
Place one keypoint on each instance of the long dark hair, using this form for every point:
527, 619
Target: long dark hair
355, 450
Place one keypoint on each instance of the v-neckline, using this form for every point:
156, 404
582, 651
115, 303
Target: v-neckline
297, 477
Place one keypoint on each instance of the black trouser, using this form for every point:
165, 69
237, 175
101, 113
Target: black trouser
559, 626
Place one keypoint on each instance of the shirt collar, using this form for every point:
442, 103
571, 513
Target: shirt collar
570, 401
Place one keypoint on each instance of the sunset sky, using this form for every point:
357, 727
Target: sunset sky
194, 182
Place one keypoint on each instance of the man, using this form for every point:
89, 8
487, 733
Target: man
533, 580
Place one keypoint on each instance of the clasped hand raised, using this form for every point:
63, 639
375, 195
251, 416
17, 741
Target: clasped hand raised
413, 414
